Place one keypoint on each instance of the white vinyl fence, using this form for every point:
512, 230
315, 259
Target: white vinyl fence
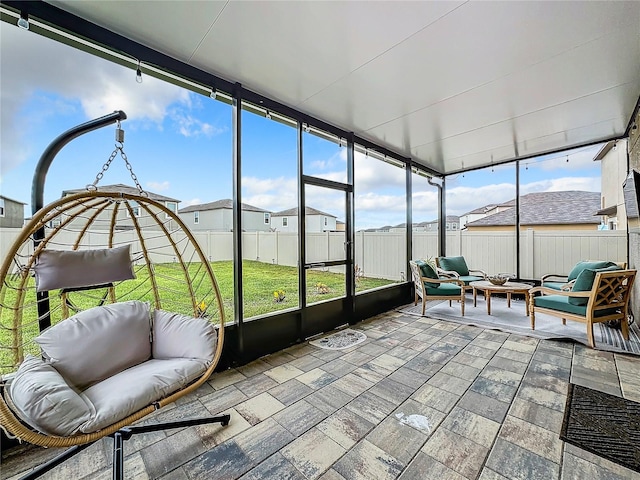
383, 255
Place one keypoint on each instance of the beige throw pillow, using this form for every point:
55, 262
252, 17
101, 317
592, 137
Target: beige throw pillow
82, 268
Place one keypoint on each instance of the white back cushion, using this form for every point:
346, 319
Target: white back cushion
45, 401
181, 336
98, 343
82, 268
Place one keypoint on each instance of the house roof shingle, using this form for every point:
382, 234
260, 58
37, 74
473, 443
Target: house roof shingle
548, 208
226, 203
292, 212
121, 188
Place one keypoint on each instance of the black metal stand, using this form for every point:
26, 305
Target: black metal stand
119, 438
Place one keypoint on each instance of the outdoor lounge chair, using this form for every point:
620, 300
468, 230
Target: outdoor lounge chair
109, 311
597, 296
428, 286
456, 267
97, 338
564, 282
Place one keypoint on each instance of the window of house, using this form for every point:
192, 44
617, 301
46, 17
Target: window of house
173, 206
1, 207
325, 221
285, 221
267, 218
135, 208
196, 218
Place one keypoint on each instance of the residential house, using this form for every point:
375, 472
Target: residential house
613, 172
11, 213
124, 221
218, 216
478, 213
569, 210
316, 221
452, 223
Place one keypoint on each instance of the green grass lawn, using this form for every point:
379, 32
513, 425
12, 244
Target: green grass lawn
260, 281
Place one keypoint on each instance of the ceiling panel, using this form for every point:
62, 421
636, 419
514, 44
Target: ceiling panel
443, 82
584, 71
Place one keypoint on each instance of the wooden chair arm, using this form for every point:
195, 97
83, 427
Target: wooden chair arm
448, 273
564, 293
442, 280
554, 275
567, 287
484, 274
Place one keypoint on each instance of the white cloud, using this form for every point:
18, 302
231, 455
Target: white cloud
274, 194
158, 186
40, 66
460, 200
188, 203
190, 126
589, 184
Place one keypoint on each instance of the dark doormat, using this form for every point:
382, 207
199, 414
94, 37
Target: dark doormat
603, 424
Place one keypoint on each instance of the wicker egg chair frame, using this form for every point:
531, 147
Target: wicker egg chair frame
171, 273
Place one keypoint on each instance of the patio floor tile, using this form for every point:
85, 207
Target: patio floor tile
456, 452
470, 425
366, 461
515, 462
276, 466
345, 427
283, 373
313, 453
423, 463
493, 403
299, 417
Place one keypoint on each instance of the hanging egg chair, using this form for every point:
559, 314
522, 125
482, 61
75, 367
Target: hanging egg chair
109, 307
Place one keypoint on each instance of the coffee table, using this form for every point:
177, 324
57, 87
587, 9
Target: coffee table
510, 287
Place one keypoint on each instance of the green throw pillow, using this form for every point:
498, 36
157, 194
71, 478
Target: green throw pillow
456, 264
584, 282
580, 266
427, 271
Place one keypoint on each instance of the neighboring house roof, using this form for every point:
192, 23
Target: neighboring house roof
12, 200
450, 219
481, 210
226, 203
548, 208
119, 187
292, 212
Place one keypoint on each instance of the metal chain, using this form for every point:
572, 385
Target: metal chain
105, 167
130, 168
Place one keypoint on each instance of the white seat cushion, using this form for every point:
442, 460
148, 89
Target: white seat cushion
137, 387
181, 336
98, 343
45, 401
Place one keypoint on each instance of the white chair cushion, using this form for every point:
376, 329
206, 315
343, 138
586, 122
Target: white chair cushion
82, 268
137, 387
98, 343
45, 401
181, 336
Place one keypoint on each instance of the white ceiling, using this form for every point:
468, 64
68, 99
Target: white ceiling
452, 84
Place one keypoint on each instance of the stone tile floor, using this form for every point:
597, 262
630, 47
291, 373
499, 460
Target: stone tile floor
494, 403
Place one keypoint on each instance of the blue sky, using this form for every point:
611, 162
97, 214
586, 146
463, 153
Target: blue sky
180, 144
